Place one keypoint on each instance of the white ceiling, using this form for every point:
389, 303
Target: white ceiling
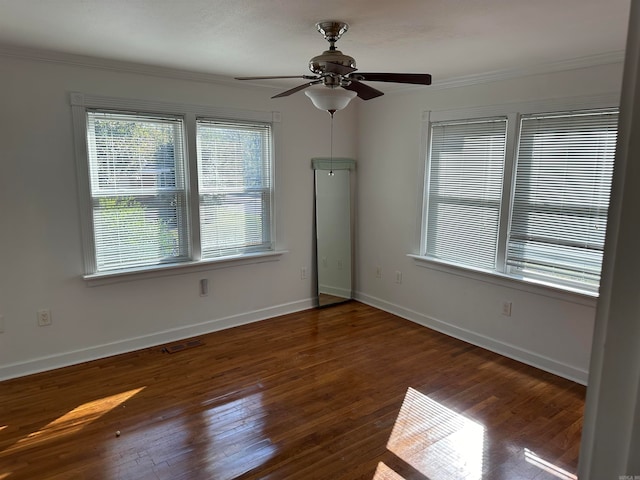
447, 38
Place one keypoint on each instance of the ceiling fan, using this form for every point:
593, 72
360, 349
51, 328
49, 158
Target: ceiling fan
334, 69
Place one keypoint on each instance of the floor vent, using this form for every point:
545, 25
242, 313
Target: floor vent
179, 347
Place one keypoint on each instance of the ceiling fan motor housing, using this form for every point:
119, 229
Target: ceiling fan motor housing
318, 63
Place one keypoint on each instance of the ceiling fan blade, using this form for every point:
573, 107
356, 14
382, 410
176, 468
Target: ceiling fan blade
308, 77
296, 89
331, 67
365, 92
417, 78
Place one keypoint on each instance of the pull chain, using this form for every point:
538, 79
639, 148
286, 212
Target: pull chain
331, 142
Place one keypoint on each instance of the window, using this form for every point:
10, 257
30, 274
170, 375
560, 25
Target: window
563, 180
170, 189
234, 173
138, 193
536, 211
465, 186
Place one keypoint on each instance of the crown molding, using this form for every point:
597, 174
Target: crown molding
114, 65
615, 57
562, 104
608, 58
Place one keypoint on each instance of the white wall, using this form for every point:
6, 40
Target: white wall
40, 242
552, 332
41, 258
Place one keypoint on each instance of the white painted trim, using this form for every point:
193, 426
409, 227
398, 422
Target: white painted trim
561, 104
588, 299
147, 341
615, 57
511, 351
82, 181
116, 65
154, 271
192, 186
170, 108
423, 186
277, 153
508, 187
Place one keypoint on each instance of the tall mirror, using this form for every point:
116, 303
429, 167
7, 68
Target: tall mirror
334, 264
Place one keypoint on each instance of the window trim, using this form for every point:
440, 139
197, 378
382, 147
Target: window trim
580, 297
513, 112
168, 269
81, 102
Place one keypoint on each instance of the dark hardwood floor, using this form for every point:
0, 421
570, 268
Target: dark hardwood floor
347, 392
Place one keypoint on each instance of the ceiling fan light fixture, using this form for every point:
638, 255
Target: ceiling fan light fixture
330, 99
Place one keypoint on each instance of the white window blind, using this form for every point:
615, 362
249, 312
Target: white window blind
234, 172
137, 188
465, 175
563, 180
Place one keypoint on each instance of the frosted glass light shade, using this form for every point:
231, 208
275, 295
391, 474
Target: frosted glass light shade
330, 99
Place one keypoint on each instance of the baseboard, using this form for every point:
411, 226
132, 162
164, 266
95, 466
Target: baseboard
106, 350
129, 345
525, 356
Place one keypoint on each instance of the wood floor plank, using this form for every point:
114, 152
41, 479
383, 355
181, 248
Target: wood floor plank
346, 392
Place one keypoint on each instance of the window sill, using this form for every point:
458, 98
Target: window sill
154, 271
573, 295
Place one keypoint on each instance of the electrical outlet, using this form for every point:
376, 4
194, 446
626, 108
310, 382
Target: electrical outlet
204, 287
398, 276
506, 309
1, 323
340, 265
44, 317
378, 272
304, 273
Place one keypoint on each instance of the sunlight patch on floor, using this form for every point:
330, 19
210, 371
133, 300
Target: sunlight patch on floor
436, 441
75, 420
385, 473
541, 463
237, 429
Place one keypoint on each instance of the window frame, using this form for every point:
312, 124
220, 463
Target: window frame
81, 103
513, 112
265, 192
525, 160
138, 193
456, 199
